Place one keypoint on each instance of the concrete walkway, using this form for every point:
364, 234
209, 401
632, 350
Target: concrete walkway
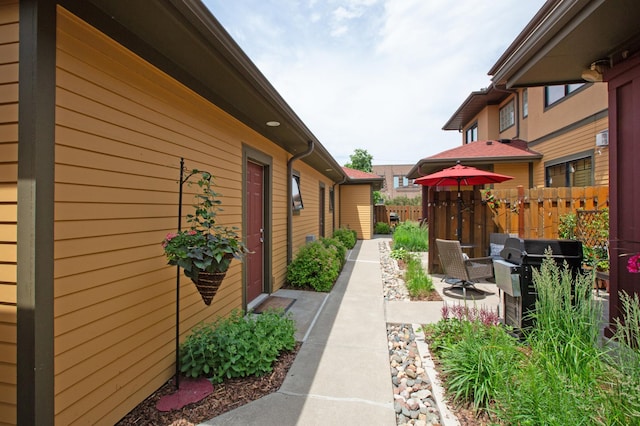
341, 373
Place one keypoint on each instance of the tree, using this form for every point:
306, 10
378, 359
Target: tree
360, 160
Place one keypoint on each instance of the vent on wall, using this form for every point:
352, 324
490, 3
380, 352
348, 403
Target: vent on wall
602, 138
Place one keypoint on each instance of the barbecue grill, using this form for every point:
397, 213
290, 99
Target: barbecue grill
514, 276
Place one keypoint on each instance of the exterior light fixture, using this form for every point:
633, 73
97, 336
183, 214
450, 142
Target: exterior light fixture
594, 73
273, 123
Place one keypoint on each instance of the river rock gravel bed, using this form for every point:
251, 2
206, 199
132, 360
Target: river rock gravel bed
412, 390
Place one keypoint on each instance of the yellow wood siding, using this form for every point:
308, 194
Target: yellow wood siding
307, 221
357, 210
578, 140
121, 127
9, 16
520, 173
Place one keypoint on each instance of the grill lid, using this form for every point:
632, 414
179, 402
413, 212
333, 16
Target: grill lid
531, 251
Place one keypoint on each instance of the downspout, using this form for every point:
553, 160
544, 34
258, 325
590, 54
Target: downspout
290, 197
333, 213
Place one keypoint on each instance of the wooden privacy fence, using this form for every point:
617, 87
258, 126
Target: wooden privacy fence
413, 213
529, 213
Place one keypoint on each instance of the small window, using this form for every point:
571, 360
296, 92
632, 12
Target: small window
576, 172
507, 116
525, 103
331, 199
396, 181
296, 196
553, 94
471, 134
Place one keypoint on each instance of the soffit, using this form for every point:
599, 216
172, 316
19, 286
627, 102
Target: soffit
558, 45
471, 107
182, 38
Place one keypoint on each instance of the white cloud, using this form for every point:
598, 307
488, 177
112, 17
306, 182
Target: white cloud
379, 75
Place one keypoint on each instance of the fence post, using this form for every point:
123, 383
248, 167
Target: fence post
521, 211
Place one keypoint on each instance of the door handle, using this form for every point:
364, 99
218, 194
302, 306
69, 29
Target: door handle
262, 235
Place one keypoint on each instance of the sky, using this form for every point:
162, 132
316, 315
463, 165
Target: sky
379, 75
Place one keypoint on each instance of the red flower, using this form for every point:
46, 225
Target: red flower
633, 264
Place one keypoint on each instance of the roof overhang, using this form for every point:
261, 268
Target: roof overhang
565, 37
429, 165
184, 40
472, 106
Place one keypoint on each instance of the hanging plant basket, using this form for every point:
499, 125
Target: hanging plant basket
208, 284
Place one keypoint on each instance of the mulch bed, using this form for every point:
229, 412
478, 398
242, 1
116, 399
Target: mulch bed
226, 396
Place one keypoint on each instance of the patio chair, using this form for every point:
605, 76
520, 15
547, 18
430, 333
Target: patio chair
464, 271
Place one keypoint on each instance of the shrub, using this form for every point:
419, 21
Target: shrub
315, 266
340, 251
237, 346
382, 228
348, 237
411, 236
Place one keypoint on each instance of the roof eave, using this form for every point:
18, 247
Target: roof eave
196, 44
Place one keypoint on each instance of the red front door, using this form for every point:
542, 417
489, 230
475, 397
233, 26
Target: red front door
255, 230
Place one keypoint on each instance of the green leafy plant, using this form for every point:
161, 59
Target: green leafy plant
401, 254
205, 246
417, 281
479, 364
237, 346
347, 236
382, 228
339, 250
567, 226
315, 266
411, 236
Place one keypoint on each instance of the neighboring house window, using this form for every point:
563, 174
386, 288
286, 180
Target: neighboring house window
402, 182
525, 103
296, 195
573, 172
553, 94
471, 134
507, 116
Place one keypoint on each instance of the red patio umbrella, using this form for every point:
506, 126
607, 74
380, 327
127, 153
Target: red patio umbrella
461, 175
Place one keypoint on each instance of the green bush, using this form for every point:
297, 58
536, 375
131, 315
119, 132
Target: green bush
340, 251
382, 228
411, 236
348, 237
237, 346
315, 266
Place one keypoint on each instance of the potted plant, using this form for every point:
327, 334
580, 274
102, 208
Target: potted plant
206, 249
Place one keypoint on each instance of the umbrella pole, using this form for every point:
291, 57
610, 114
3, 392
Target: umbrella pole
459, 213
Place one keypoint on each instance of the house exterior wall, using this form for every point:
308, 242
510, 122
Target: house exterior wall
8, 209
559, 131
579, 140
519, 171
307, 221
121, 128
573, 108
356, 210
389, 191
